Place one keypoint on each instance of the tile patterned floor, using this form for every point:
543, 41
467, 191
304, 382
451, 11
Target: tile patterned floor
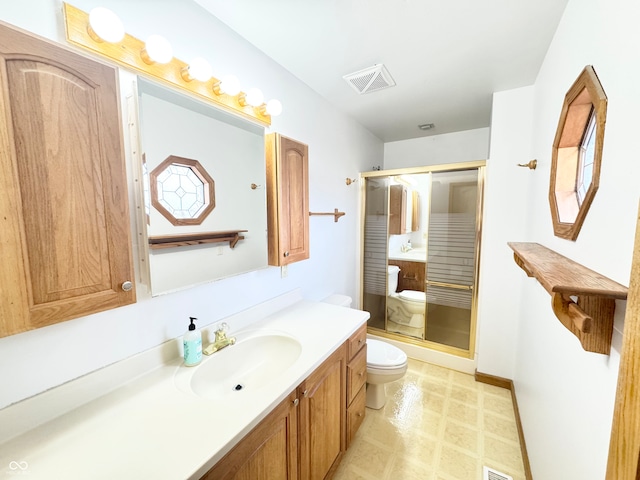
437, 424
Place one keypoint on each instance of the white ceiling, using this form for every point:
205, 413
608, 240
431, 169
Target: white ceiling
447, 57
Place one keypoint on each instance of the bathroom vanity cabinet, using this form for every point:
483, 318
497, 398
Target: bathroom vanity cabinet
270, 451
411, 276
356, 381
322, 418
64, 219
287, 199
306, 435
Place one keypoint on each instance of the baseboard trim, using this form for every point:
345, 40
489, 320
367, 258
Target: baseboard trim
508, 384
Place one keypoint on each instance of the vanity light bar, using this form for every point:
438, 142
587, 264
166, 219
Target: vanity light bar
129, 52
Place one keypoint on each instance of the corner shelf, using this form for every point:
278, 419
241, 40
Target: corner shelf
171, 241
583, 300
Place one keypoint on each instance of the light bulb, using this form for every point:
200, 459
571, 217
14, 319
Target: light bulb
230, 85
105, 25
274, 107
254, 97
198, 69
157, 50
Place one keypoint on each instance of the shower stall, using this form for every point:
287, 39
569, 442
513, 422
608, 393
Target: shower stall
421, 246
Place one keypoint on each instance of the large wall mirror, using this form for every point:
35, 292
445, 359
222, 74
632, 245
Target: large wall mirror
187, 147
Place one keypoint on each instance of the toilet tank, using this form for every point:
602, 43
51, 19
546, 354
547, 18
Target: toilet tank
392, 278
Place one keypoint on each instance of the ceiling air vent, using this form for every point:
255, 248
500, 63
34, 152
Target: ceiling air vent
491, 474
370, 79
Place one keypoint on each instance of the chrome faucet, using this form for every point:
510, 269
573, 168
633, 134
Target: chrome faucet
221, 340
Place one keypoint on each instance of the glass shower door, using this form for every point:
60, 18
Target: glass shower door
374, 276
452, 242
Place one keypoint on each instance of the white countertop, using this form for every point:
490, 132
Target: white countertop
146, 427
413, 255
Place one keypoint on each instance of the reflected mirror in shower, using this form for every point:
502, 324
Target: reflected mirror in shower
420, 255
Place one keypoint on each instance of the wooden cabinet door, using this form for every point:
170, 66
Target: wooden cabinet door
411, 276
323, 418
287, 199
64, 220
397, 210
268, 452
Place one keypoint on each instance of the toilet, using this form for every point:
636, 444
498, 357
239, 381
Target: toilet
405, 309
385, 362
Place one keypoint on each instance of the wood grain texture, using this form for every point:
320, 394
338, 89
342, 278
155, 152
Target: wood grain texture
624, 447
397, 209
356, 374
269, 451
412, 275
287, 199
557, 273
63, 156
590, 318
323, 418
128, 53
188, 239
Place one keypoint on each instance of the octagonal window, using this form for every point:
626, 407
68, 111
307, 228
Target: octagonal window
182, 191
577, 154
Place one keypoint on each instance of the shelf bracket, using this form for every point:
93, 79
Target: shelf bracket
583, 300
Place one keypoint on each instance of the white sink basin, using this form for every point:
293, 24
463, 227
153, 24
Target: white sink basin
251, 363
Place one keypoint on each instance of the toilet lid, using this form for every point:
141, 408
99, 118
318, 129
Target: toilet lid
382, 354
413, 295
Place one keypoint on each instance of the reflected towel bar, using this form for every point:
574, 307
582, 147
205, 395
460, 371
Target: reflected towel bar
336, 214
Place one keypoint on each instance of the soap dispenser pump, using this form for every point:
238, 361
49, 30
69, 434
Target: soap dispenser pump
192, 342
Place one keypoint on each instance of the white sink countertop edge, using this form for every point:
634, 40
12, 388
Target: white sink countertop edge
148, 428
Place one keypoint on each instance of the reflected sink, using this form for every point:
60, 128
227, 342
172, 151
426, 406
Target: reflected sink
251, 363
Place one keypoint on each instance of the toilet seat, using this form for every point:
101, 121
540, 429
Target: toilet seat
413, 296
384, 356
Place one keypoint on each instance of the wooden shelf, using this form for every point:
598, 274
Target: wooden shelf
172, 241
583, 300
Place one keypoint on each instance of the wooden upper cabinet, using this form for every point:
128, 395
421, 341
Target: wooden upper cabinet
397, 210
64, 220
287, 199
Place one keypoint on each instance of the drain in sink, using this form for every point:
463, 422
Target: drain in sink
238, 387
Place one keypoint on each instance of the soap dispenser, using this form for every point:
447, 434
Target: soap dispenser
192, 341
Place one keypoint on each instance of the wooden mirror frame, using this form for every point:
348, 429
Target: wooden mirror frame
585, 98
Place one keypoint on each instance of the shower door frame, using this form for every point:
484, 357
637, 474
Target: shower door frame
478, 165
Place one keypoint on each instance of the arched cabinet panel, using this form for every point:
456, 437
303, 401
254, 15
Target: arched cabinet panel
65, 232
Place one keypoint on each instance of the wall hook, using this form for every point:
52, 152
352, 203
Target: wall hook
349, 181
532, 164
254, 186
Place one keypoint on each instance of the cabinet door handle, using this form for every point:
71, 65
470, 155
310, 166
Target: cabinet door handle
360, 341
361, 373
126, 286
286, 254
305, 393
296, 402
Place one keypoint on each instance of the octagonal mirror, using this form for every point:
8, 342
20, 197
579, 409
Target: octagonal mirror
577, 154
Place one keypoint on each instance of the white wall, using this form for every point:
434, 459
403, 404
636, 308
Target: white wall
465, 146
506, 212
566, 395
338, 148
